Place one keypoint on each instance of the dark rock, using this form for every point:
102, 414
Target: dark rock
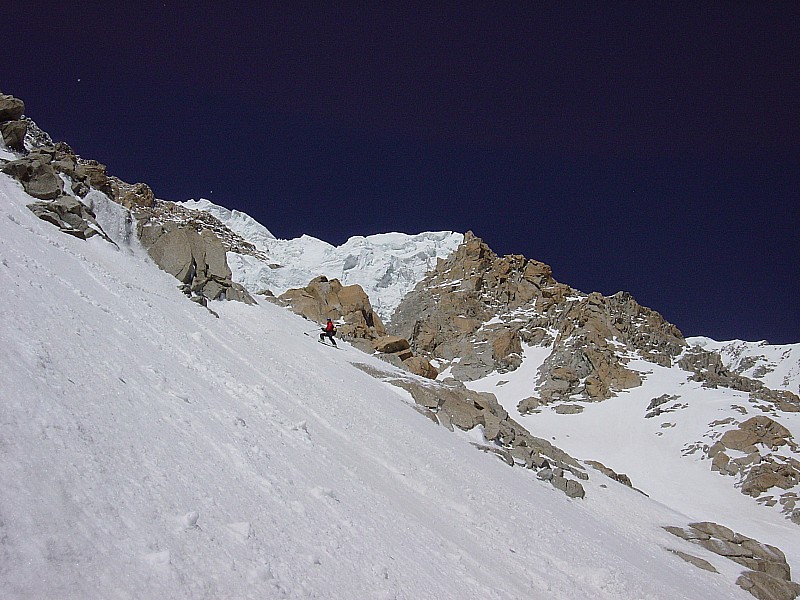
11, 108
13, 133
38, 178
766, 587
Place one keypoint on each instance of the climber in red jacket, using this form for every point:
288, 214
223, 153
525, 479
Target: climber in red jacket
328, 331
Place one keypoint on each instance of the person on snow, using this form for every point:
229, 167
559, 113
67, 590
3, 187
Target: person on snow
328, 331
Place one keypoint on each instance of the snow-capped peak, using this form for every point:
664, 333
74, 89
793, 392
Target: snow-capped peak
387, 265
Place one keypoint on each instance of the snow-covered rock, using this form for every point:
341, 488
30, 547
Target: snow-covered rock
777, 366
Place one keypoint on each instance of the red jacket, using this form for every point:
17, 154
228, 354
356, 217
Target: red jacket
329, 326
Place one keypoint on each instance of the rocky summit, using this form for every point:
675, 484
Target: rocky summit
475, 310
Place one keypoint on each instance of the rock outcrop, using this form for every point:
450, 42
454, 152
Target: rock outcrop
452, 405
752, 453
708, 368
12, 126
348, 305
38, 177
182, 242
768, 576
43, 173
196, 259
476, 309
71, 216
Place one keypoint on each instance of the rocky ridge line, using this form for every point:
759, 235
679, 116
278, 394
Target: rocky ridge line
452, 405
476, 309
190, 245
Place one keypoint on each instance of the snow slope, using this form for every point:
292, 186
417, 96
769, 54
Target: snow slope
387, 266
151, 450
663, 454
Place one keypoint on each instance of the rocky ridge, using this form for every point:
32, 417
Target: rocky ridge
451, 405
191, 245
474, 312
777, 366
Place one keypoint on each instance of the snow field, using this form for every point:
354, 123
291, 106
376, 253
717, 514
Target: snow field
151, 450
654, 452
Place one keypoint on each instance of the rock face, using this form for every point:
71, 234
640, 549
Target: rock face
759, 465
768, 576
196, 259
159, 212
476, 309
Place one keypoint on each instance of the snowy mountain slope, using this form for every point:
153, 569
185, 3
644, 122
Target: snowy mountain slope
151, 450
778, 366
661, 453
239, 222
387, 266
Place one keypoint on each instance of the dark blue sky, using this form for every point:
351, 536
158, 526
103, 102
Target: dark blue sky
647, 147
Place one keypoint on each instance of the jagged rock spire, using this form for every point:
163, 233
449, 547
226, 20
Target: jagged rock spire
476, 310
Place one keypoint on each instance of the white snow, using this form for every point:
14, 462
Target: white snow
387, 266
151, 450
778, 366
656, 452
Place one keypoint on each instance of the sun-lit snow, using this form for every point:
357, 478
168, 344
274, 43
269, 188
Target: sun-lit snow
778, 366
656, 453
152, 450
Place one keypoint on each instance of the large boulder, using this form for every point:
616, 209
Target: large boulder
38, 178
349, 305
13, 133
11, 108
196, 259
756, 430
